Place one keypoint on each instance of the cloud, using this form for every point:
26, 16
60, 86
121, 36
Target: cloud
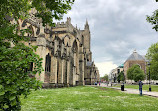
117, 28
105, 67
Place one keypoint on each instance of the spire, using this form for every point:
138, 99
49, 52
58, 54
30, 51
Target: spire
76, 26
68, 20
86, 21
86, 25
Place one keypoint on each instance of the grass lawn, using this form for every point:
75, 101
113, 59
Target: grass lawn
145, 87
84, 98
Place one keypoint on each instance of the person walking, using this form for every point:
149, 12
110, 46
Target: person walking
107, 83
140, 87
99, 83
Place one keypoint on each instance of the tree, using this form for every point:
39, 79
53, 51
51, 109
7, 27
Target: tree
138, 74
105, 78
135, 73
15, 77
130, 73
154, 19
152, 56
121, 76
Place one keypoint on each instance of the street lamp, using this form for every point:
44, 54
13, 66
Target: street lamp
149, 76
122, 86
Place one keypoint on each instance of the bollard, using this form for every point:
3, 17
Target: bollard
122, 87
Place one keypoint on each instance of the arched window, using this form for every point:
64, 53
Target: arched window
75, 48
31, 66
18, 28
31, 33
48, 63
82, 40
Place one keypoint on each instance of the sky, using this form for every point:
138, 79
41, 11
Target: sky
117, 28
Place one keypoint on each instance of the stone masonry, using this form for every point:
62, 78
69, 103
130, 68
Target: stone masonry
66, 53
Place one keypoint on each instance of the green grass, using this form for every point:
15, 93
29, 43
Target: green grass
87, 99
145, 87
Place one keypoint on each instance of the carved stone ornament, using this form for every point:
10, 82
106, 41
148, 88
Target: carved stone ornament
63, 55
67, 58
41, 41
52, 51
56, 54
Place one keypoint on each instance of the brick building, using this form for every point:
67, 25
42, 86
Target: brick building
134, 58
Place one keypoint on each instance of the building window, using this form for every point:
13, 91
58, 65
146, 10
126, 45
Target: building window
82, 40
31, 66
31, 33
118, 71
48, 63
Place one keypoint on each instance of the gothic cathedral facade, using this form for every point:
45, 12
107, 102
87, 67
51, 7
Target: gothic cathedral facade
66, 52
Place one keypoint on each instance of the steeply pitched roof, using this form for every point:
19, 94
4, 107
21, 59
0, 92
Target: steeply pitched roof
145, 58
135, 56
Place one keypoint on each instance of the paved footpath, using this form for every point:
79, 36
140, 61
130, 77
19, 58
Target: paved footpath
133, 91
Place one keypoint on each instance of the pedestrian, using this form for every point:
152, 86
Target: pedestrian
140, 87
99, 83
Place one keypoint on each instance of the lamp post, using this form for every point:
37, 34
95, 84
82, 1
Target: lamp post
122, 86
149, 76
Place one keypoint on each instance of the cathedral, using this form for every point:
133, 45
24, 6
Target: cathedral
66, 52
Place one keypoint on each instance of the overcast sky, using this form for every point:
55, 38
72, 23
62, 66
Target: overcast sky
117, 28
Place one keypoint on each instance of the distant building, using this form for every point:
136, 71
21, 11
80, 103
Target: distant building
115, 72
134, 58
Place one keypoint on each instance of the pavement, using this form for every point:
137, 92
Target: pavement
133, 91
